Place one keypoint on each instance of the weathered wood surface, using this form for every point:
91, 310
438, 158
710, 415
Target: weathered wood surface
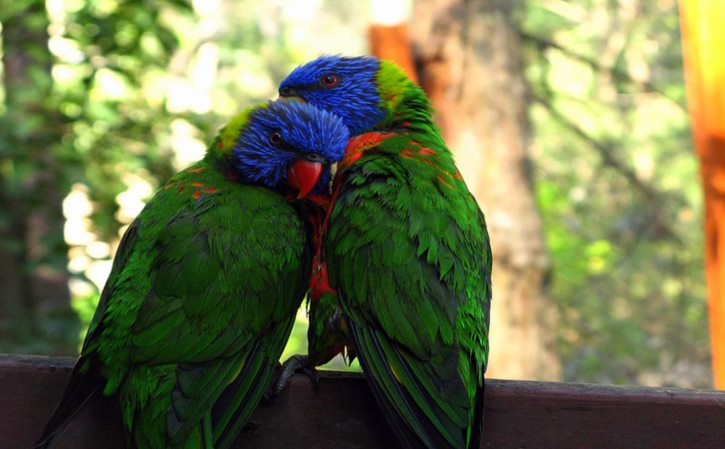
343, 414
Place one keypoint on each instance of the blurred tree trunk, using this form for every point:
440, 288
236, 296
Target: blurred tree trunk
471, 65
392, 42
703, 48
34, 296
389, 37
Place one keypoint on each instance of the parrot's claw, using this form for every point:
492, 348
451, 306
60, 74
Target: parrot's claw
295, 364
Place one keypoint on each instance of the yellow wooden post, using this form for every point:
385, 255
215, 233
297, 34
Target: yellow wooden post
703, 43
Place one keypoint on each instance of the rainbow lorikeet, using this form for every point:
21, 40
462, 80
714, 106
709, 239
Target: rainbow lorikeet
206, 284
406, 249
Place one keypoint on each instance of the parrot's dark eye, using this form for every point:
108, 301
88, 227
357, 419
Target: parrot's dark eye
330, 80
275, 137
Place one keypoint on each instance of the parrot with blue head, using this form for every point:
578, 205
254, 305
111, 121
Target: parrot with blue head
403, 268
206, 283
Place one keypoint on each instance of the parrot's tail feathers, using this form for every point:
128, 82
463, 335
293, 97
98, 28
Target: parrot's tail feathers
244, 396
406, 438
237, 402
80, 388
477, 431
413, 427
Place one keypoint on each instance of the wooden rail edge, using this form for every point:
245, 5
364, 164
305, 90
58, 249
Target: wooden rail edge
343, 415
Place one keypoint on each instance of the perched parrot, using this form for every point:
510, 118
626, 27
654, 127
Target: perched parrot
206, 284
406, 251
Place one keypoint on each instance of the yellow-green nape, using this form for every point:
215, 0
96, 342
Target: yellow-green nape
392, 84
230, 133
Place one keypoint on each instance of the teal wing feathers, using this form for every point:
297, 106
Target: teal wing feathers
410, 257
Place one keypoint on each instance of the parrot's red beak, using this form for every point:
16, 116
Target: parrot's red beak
303, 176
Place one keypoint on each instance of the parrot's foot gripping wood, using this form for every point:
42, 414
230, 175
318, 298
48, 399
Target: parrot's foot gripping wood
295, 364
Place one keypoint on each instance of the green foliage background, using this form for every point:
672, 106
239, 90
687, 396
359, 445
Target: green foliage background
612, 158
618, 187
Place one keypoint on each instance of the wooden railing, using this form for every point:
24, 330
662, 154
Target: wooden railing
343, 415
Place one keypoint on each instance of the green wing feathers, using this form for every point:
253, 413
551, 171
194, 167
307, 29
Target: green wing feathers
408, 251
198, 308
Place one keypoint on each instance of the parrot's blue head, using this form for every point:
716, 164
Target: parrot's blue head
286, 143
347, 86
